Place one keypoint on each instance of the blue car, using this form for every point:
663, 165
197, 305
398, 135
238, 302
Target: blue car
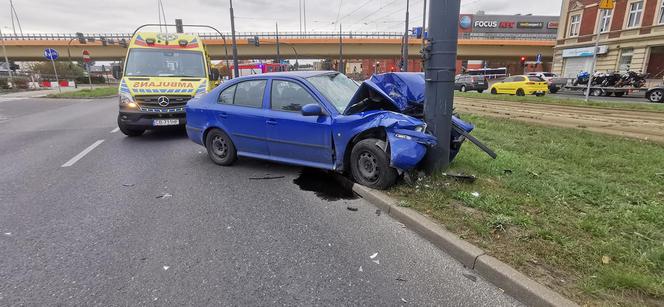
319, 119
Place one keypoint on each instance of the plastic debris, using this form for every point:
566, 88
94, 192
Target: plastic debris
461, 177
470, 276
476, 194
378, 211
166, 268
507, 172
373, 256
128, 184
606, 259
404, 300
361, 270
376, 261
164, 196
8, 233
351, 208
400, 279
267, 177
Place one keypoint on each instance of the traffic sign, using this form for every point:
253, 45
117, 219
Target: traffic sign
606, 4
86, 56
51, 54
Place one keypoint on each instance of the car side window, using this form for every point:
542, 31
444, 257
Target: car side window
289, 96
509, 79
226, 96
519, 79
250, 93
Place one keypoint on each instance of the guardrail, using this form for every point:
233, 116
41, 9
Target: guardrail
288, 35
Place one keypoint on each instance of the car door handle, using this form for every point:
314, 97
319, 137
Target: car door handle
222, 114
271, 122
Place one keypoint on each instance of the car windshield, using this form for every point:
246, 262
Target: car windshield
336, 87
535, 78
165, 63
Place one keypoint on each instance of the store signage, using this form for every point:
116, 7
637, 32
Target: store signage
552, 25
529, 25
506, 24
485, 24
465, 22
583, 52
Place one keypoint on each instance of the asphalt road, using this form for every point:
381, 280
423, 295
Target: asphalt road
152, 221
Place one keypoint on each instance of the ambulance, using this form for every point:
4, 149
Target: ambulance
161, 72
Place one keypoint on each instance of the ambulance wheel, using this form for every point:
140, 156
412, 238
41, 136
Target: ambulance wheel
130, 132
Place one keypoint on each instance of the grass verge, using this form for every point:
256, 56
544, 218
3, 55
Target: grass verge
657, 107
580, 212
87, 93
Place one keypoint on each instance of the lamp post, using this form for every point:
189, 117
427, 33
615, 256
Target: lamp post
4, 51
236, 69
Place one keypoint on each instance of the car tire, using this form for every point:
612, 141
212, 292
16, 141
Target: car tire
619, 94
656, 95
540, 94
553, 90
520, 92
463, 89
370, 165
494, 91
480, 91
220, 148
130, 132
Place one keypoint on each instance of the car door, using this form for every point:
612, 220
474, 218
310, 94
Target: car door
292, 137
502, 87
240, 112
519, 83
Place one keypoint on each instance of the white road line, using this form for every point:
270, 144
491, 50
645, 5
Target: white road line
82, 154
115, 130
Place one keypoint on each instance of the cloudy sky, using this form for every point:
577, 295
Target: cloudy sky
47, 16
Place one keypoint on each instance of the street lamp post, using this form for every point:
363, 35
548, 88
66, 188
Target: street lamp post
236, 69
404, 49
4, 51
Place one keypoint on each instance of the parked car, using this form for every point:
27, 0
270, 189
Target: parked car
655, 94
521, 86
465, 83
320, 119
555, 82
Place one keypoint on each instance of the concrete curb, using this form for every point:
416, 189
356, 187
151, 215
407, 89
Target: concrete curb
493, 270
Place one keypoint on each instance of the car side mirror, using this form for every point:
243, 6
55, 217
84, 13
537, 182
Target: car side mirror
117, 72
312, 109
214, 74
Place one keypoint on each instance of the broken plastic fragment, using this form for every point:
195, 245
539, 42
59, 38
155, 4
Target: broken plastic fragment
373, 256
361, 270
8, 233
351, 208
376, 261
266, 177
127, 184
404, 300
166, 268
164, 196
476, 194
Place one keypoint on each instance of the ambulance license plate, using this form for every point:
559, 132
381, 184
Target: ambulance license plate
165, 122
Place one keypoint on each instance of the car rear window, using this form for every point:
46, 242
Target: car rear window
250, 93
289, 96
535, 79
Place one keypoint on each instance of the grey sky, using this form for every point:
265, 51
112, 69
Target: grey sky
252, 15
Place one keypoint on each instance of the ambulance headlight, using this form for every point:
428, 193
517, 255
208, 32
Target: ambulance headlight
127, 99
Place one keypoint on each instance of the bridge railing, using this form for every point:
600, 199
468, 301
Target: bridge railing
285, 35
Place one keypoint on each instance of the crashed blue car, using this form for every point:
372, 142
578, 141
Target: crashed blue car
319, 119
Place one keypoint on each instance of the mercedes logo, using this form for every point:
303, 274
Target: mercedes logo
163, 101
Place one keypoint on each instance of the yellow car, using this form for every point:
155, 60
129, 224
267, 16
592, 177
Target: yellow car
521, 86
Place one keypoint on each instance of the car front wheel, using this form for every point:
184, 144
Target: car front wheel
220, 148
370, 165
494, 91
656, 96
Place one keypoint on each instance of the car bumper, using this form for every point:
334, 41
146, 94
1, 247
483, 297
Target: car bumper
141, 120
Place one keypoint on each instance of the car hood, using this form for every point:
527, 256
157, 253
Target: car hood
403, 90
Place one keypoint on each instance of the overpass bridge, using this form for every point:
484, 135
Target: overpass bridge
356, 45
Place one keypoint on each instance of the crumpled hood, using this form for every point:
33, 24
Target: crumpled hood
404, 90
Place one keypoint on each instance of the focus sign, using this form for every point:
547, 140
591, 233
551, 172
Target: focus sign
606, 4
50, 54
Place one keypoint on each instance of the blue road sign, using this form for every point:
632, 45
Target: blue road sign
51, 54
538, 59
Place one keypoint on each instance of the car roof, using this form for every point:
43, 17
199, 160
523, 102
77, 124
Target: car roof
300, 74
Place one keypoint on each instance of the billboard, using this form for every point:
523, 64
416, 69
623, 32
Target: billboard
504, 26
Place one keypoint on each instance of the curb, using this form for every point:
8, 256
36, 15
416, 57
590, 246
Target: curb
502, 275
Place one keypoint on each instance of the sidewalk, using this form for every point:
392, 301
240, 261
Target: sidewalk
37, 93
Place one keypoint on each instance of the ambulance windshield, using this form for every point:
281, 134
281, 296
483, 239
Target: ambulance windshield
165, 63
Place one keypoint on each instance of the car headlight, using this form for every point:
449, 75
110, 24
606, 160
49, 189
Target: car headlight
403, 136
421, 128
128, 100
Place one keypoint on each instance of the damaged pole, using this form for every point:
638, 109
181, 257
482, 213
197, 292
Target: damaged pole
440, 57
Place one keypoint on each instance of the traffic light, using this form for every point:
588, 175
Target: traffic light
523, 61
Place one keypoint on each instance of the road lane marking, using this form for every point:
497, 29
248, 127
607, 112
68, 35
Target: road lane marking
82, 154
115, 130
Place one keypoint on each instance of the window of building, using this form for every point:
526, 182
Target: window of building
625, 59
635, 13
574, 25
661, 13
605, 20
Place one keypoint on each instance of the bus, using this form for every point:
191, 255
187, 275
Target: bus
488, 73
259, 68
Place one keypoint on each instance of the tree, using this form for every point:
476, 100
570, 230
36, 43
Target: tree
66, 70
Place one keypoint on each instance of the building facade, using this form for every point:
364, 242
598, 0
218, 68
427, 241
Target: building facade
631, 37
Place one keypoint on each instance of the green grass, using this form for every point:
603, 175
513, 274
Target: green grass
87, 93
554, 203
557, 100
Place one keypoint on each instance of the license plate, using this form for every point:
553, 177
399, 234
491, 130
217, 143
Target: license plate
165, 122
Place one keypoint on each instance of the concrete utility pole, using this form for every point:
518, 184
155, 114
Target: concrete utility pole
278, 54
236, 69
424, 25
4, 52
440, 70
595, 51
404, 48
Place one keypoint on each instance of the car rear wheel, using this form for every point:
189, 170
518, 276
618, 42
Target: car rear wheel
539, 94
553, 90
520, 92
656, 96
494, 91
463, 89
220, 148
370, 165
